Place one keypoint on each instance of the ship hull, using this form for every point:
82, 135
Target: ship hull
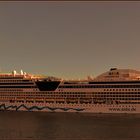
87, 108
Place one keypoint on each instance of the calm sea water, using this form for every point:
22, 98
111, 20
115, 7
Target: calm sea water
68, 126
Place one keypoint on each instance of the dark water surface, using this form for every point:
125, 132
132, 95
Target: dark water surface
68, 126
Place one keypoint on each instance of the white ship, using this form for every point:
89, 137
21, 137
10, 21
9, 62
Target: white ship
115, 91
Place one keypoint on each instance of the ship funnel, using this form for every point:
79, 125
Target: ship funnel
21, 72
14, 72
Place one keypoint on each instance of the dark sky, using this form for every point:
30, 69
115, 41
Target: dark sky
69, 39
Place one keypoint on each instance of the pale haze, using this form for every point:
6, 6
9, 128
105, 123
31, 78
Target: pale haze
69, 39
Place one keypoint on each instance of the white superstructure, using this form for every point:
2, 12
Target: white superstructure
115, 91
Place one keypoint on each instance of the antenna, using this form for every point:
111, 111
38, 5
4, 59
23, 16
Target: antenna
89, 77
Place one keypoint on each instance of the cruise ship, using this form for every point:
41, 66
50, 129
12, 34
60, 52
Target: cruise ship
115, 91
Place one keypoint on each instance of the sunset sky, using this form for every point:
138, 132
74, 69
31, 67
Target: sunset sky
69, 39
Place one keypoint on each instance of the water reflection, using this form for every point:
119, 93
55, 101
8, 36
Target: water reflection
68, 126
